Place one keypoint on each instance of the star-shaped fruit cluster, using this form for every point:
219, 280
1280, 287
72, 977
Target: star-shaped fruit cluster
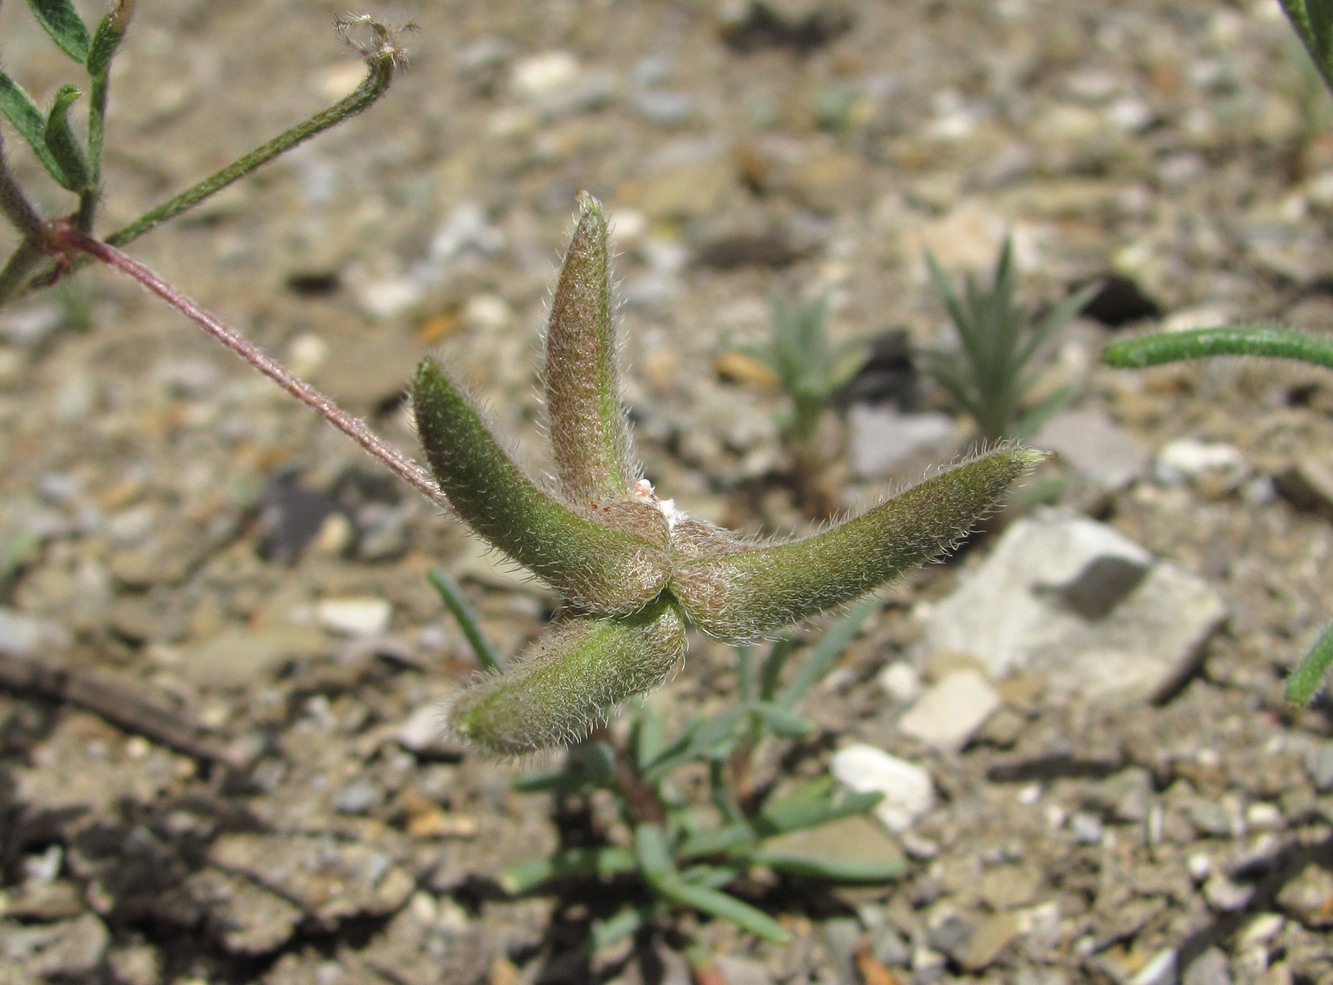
634, 572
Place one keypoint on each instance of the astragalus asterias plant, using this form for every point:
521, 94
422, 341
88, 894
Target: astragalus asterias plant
634, 571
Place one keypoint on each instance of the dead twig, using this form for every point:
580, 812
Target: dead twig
121, 706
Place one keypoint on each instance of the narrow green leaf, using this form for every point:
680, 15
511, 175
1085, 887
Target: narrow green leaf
647, 737
778, 654
818, 802
1058, 316
831, 870
30, 122
589, 429
1308, 676
61, 142
570, 680
735, 838
625, 924
588, 766
1226, 340
66, 27
1035, 419
826, 652
744, 592
466, 617
615, 563
650, 851
571, 863
107, 36
721, 905
782, 722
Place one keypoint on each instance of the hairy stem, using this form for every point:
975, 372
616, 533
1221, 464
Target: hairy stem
1231, 340
70, 238
381, 62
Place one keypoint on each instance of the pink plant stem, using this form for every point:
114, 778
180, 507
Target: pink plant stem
68, 237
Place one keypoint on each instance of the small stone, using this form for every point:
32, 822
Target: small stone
882, 440
950, 932
1213, 466
357, 616
71, 949
900, 681
1077, 602
1319, 766
24, 635
42, 901
907, 788
357, 798
238, 657
1086, 828
540, 75
1161, 969
383, 298
1259, 931
666, 109
1261, 816
426, 734
1126, 796
989, 940
1209, 968
1096, 446
1308, 485
1213, 819
1308, 897
1004, 887
736, 970
1225, 896
949, 713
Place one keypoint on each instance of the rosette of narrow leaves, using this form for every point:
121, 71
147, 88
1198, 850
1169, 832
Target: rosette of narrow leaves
634, 570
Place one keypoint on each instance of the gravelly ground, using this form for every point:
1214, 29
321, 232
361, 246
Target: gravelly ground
179, 530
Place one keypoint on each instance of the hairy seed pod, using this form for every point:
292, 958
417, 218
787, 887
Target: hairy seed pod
600, 568
589, 431
570, 680
742, 593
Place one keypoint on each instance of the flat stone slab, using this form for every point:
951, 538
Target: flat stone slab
1091, 611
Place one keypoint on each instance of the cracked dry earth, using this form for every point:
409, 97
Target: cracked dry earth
220, 757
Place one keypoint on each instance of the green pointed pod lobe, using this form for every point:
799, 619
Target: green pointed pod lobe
602, 567
739, 592
589, 430
570, 681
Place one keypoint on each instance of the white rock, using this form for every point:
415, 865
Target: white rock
355, 615
1096, 446
881, 439
426, 732
540, 75
900, 681
950, 712
1187, 460
1076, 602
907, 788
387, 297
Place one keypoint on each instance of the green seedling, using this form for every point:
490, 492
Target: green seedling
810, 372
994, 369
671, 854
635, 572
